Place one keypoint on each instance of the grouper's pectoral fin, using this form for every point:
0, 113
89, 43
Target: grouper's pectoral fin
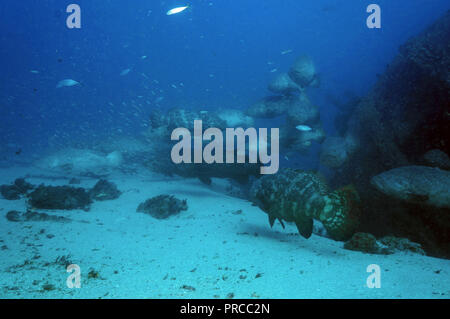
271, 220
305, 227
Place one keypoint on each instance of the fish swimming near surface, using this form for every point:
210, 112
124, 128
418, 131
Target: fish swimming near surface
125, 72
303, 128
67, 82
176, 10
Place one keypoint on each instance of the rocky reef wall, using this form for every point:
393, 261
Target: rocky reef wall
404, 117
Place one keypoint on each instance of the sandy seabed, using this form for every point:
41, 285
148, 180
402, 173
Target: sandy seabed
221, 247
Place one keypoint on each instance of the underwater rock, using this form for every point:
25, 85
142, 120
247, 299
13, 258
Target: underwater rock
336, 150
15, 216
81, 162
235, 118
162, 206
303, 72
403, 116
416, 184
16, 190
59, 197
437, 158
104, 190
367, 243
430, 50
301, 111
293, 140
283, 84
269, 107
298, 196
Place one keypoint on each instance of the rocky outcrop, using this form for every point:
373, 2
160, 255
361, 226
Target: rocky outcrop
283, 84
59, 197
293, 103
336, 150
15, 191
404, 116
303, 72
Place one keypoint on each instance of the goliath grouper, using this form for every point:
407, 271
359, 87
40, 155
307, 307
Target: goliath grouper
298, 196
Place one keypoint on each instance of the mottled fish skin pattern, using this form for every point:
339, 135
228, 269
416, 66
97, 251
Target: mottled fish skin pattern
298, 196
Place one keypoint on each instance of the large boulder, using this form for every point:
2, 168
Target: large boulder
283, 84
404, 116
303, 72
235, 118
416, 184
336, 150
302, 111
16, 190
59, 197
269, 107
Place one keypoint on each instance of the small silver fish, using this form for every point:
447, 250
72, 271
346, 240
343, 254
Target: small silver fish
67, 82
176, 10
303, 128
125, 72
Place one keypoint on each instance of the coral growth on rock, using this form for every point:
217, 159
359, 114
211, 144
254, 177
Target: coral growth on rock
59, 197
13, 192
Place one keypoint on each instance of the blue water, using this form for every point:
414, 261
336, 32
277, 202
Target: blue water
218, 50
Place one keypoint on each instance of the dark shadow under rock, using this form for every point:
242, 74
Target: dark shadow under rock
104, 190
162, 206
74, 181
59, 197
15, 216
16, 190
